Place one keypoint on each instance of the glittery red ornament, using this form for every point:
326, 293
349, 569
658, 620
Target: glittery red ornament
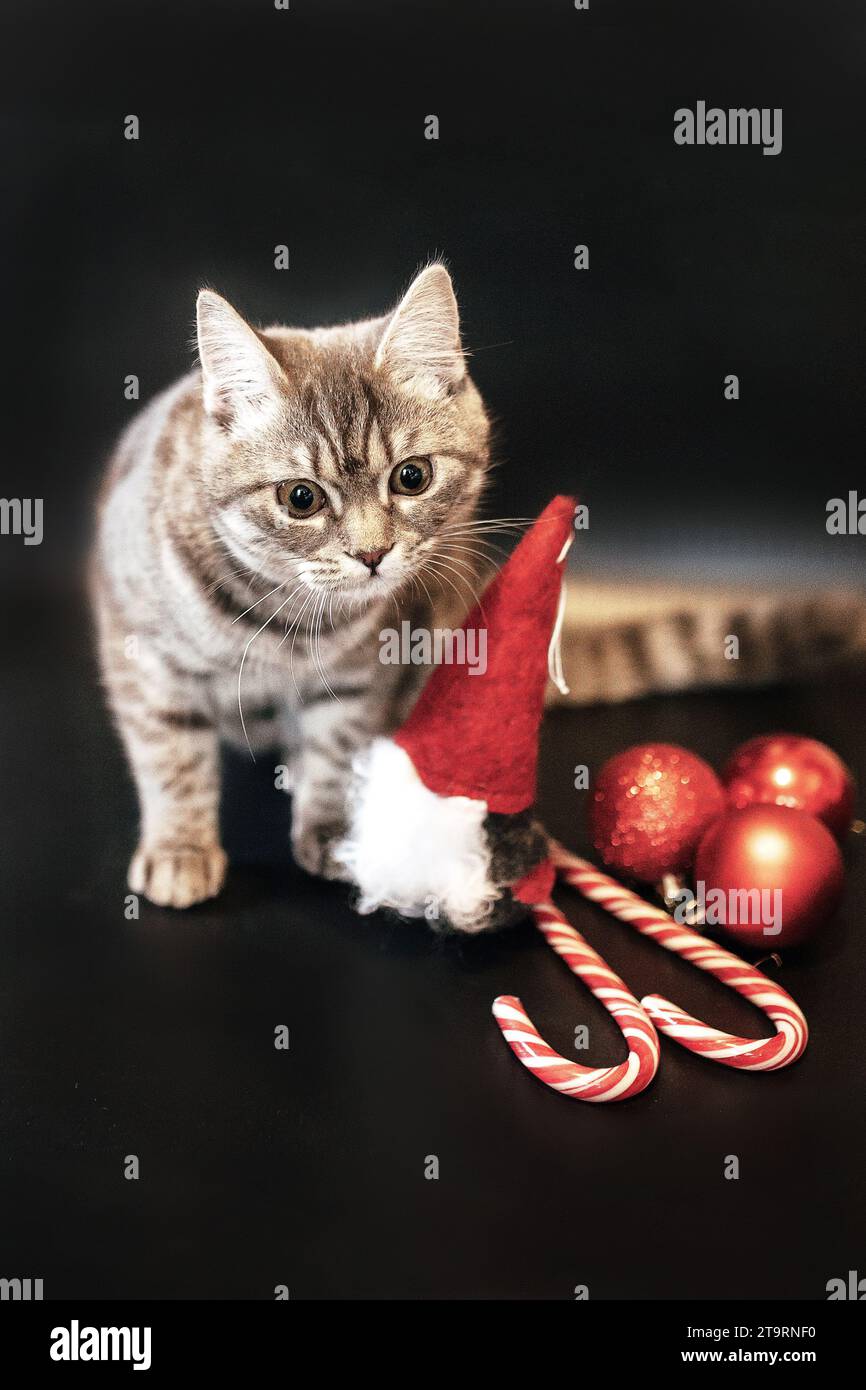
650, 806
773, 873
792, 771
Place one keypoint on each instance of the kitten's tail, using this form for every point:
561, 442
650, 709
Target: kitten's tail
621, 641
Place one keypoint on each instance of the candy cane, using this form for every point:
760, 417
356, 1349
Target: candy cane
751, 1054
569, 1078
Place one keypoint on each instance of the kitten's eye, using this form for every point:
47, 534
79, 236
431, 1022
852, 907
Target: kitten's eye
301, 498
411, 477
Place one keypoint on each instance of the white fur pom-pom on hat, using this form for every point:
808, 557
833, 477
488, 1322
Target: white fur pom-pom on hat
411, 850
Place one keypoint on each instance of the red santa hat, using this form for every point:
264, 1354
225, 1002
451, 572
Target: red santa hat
477, 735
469, 748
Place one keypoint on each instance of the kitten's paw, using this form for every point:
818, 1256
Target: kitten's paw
313, 845
177, 875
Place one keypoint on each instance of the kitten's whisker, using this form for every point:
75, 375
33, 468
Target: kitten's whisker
452, 560
455, 559
474, 549
297, 589
472, 531
232, 574
482, 566
440, 574
320, 665
420, 578
275, 590
474, 539
241, 670
444, 558
313, 641
438, 559
296, 625
492, 521
252, 570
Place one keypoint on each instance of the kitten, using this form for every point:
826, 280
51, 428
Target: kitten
259, 523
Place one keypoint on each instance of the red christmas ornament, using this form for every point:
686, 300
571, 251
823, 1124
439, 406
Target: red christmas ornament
768, 874
650, 806
792, 771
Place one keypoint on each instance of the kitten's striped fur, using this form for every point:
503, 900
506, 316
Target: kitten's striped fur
200, 573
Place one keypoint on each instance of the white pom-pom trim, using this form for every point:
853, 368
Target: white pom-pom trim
408, 849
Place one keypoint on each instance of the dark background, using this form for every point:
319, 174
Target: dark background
306, 127
155, 1037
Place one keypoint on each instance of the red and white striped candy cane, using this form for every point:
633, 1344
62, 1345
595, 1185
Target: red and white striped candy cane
570, 1078
751, 1054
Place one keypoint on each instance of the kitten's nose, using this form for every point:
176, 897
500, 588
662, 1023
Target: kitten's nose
371, 558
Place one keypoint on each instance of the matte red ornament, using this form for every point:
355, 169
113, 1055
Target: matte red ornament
650, 806
792, 771
768, 848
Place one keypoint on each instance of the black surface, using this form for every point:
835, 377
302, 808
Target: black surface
155, 1038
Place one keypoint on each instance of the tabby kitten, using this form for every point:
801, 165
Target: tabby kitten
260, 521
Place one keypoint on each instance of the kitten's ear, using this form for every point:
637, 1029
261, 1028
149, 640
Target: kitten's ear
421, 344
241, 379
